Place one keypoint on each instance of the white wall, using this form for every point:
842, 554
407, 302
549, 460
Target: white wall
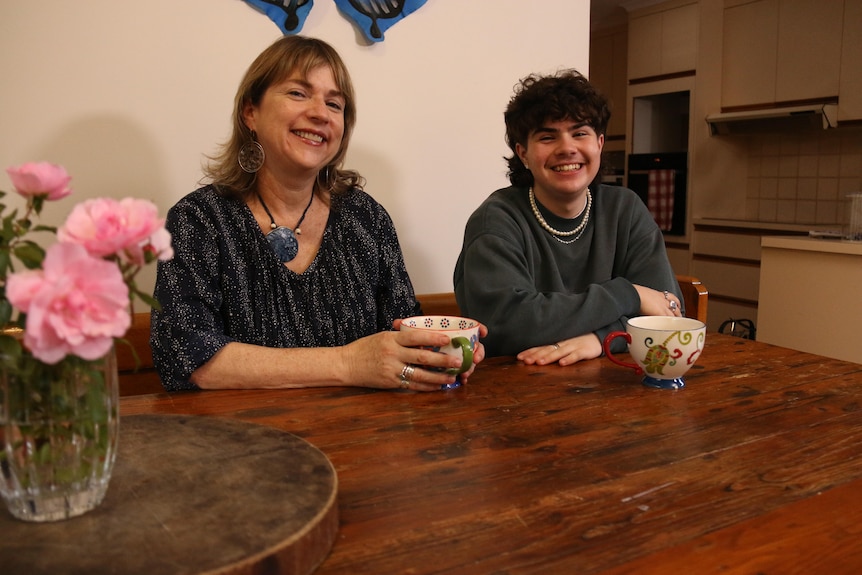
129, 96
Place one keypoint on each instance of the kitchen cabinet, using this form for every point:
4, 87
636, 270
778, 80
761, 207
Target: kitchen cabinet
776, 51
809, 299
850, 85
663, 40
727, 261
608, 72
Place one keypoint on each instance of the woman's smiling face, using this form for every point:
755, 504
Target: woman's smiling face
564, 158
299, 122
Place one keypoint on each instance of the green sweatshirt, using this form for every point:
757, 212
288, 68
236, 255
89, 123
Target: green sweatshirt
532, 290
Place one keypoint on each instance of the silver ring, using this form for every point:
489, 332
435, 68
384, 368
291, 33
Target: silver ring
406, 374
673, 305
665, 295
556, 345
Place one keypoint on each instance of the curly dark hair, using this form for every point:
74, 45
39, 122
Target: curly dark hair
566, 95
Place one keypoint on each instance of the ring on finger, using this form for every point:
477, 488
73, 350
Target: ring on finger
673, 305
405, 375
556, 346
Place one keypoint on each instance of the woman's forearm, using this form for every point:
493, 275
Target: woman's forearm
246, 366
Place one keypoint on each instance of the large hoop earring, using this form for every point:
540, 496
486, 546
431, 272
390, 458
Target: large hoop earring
251, 155
323, 178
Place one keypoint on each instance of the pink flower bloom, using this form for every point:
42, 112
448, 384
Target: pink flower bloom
76, 304
40, 179
126, 228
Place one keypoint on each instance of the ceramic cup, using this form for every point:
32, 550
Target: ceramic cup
463, 336
663, 347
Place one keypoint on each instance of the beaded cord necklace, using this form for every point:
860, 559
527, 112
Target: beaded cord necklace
283, 240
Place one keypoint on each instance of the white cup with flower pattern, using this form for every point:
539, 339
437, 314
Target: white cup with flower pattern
463, 334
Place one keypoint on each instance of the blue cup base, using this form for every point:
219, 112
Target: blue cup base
454, 385
676, 383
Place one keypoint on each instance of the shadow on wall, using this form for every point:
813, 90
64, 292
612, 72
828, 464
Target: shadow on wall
107, 156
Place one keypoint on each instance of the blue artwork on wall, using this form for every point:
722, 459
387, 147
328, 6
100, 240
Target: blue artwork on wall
372, 17
289, 15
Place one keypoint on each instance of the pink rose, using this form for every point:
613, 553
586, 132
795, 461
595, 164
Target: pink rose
128, 228
40, 179
76, 304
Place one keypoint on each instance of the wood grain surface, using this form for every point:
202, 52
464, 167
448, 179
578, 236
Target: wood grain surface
754, 467
189, 495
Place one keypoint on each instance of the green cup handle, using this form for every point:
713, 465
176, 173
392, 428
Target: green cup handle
466, 353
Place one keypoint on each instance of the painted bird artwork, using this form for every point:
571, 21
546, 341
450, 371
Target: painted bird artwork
371, 17
289, 15
374, 17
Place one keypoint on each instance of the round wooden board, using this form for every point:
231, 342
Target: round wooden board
192, 494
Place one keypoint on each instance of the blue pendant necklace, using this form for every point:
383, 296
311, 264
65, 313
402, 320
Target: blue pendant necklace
283, 240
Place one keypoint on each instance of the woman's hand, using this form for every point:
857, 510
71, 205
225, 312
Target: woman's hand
654, 302
379, 360
565, 352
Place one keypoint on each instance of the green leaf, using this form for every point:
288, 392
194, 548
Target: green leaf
24, 224
38, 202
5, 309
5, 264
10, 352
30, 253
8, 230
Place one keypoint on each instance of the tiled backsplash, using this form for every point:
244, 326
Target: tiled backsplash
804, 178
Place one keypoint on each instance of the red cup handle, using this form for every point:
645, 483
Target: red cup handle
606, 346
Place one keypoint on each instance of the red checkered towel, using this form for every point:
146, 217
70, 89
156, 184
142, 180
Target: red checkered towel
660, 197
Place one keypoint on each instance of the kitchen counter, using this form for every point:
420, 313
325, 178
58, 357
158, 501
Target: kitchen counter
809, 295
772, 227
807, 244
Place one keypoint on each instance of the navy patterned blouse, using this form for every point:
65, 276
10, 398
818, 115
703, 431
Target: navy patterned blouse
225, 283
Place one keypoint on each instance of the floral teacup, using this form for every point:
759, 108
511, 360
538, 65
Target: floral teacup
664, 348
463, 336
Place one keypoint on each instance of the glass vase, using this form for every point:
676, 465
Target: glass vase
59, 426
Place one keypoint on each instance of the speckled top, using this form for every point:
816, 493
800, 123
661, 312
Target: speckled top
226, 284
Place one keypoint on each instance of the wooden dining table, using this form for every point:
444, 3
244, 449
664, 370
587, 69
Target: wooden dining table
755, 466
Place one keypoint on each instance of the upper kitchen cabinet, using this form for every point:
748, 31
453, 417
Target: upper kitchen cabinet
662, 40
608, 73
781, 51
850, 86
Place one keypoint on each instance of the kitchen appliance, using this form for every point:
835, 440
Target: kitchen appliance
774, 120
639, 168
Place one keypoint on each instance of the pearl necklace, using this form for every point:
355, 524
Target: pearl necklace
577, 232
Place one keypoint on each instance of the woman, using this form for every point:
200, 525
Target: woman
286, 273
556, 261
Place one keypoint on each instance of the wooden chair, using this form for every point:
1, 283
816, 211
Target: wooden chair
694, 294
439, 303
137, 374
